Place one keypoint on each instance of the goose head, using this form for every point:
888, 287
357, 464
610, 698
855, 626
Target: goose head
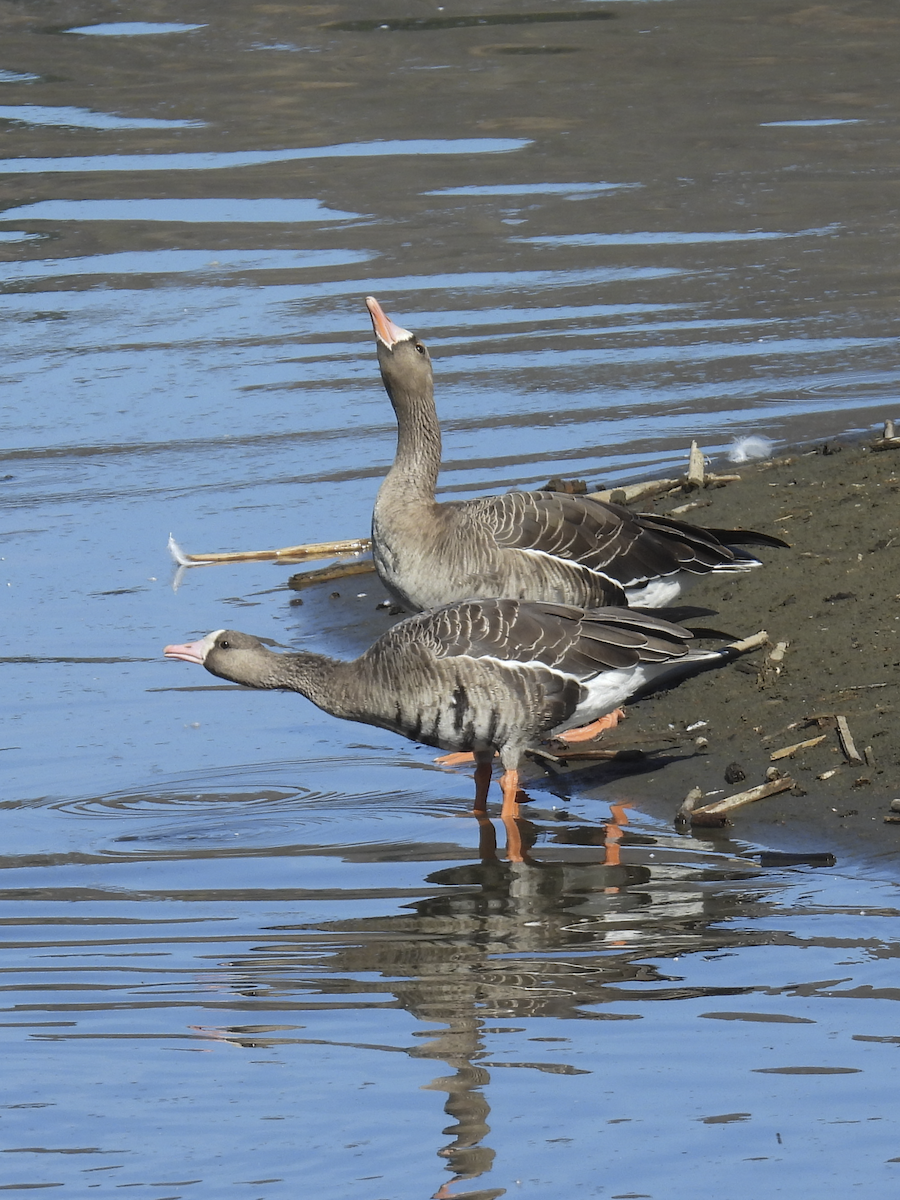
403, 358
227, 653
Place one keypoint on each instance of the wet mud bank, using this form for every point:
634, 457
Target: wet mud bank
833, 601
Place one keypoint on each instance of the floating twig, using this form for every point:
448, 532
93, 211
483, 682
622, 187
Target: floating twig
788, 751
717, 812
285, 554
847, 744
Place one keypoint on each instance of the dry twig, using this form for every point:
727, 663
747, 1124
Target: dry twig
788, 751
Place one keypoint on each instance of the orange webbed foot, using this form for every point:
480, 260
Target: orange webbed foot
455, 760
586, 732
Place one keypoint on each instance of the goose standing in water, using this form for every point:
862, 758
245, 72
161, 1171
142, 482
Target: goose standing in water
479, 676
543, 546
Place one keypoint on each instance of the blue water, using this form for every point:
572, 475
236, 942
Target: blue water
247, 944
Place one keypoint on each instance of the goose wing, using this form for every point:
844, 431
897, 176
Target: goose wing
628, 548
566, 639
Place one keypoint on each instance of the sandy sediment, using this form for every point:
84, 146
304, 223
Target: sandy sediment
831, 606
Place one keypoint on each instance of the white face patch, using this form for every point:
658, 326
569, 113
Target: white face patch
208, 642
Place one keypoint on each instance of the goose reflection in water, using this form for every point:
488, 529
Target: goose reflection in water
564, 933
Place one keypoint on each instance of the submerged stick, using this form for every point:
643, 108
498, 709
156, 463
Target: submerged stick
286, 553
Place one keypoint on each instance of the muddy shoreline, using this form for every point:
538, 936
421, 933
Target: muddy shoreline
833, 599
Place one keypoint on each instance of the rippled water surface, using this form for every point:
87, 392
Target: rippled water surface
619, 227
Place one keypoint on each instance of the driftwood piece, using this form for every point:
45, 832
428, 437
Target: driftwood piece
789, 751
285, 554
776, 658
633, 492
747, 644
847, 744
717, 812
889, 439
696, 468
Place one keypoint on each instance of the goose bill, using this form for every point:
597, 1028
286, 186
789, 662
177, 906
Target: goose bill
192, 652
385, 330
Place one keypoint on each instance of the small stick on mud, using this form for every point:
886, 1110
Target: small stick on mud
847, 744
692, 504
788, 751
286, 553
716, 813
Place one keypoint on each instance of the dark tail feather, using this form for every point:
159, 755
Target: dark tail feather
747, 537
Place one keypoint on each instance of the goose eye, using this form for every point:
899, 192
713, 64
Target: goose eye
224, 644
420, 349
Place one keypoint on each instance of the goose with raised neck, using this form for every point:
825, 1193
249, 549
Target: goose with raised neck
541, 546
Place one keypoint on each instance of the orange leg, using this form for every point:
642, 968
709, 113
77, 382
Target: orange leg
509, 785
586, 732
509, 813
